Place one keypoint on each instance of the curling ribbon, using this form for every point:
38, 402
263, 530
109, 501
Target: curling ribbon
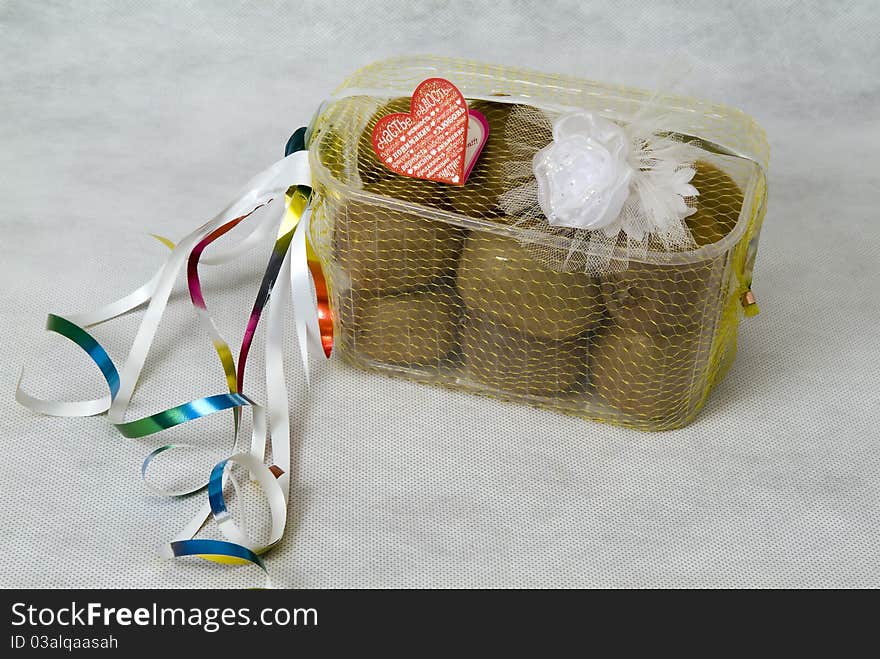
297, 142
292, 275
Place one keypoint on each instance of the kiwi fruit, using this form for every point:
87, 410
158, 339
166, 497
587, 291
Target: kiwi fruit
387, 250
663, 299
497, 278
670, 299
411, 329
718, 205
517, 362
644, 375
370, 168
331, 150
479, 196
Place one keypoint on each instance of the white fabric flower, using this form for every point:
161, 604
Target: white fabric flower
621, 189
584, 175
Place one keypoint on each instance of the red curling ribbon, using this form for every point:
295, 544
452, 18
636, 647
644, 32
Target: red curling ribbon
325, 315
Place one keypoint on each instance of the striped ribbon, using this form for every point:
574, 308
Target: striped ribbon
294, 275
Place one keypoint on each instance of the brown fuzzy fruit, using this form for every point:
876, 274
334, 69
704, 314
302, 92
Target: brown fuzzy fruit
479, 196
387, 250
498, 279
663, 299
718, 205
330, 148
670, 299
644, 375
369, 166
411, 329
518, 363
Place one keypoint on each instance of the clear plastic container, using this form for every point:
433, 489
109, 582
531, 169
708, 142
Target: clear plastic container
434, 282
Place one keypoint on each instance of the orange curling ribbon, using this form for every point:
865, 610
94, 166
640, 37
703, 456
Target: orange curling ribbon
325, 315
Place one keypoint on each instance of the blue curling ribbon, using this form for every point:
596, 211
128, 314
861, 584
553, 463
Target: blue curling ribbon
215, 489
194, 409
88, 343
217, 550
205, 548
167, 419
297, 141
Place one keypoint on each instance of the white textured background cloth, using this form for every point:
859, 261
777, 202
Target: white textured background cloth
125, 119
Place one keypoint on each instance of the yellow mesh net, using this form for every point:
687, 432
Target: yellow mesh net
435, 282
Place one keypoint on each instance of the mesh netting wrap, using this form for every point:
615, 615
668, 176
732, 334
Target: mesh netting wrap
466, 286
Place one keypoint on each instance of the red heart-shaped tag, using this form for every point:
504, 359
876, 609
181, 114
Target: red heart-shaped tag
428, 142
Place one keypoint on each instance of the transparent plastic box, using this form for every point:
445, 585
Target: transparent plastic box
436, 283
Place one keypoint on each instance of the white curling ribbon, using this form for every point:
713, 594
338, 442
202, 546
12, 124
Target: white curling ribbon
275, 496
584, 175
292, 275
268, 184
276, 408
263, 188
305, 309
293, 168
